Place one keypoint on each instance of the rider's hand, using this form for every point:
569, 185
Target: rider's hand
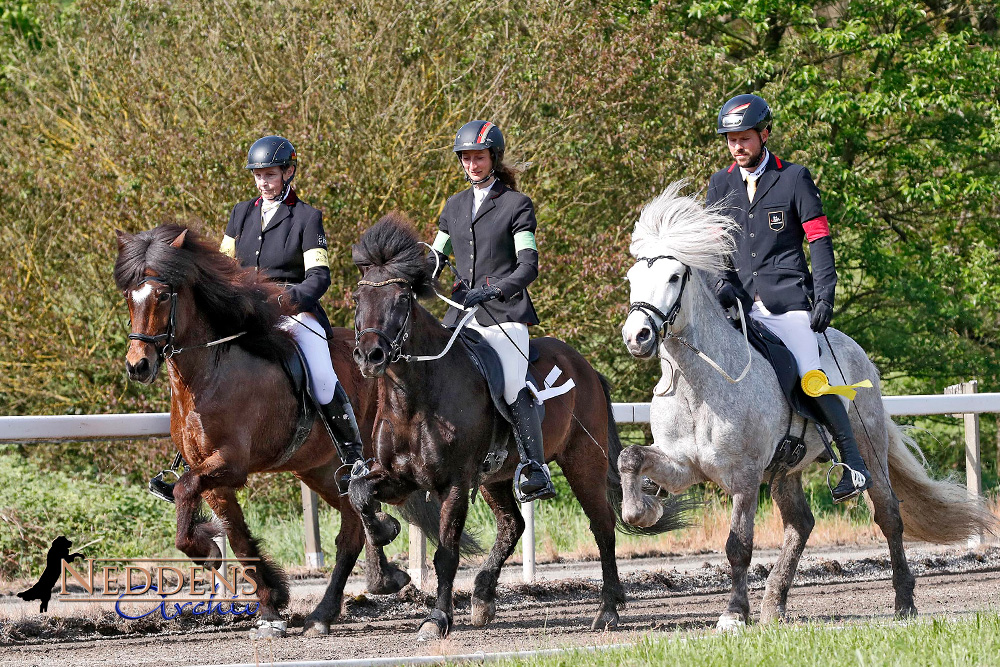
435, 263
481, 294
821, 316
727, 294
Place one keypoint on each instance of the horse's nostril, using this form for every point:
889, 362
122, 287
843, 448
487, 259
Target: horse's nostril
376, 355
129, 368
358, 356
643, 335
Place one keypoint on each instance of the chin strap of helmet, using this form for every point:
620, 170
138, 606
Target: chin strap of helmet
481, 180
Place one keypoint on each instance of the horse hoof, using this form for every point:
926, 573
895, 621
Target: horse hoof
387, 585
906, 613
434, 627
269, 629
730, 623
643, 514
315, 628
606, 620
483, 612
386, 531
213, 561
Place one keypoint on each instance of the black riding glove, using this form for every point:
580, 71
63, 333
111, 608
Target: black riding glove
435, 263
481, 294
727, 294
821, 316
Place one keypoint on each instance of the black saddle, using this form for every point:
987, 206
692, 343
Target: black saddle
783, 363
294, 365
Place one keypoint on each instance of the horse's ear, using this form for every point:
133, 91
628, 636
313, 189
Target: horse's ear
179, 241
123, 238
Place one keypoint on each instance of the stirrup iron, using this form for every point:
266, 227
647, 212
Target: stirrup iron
858, 481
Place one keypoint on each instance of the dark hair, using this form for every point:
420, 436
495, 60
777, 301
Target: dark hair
232, 299
393, 246
506, 175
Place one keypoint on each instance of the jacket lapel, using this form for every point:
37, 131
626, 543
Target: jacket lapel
737, 184
489, 204
279, 216
767, 179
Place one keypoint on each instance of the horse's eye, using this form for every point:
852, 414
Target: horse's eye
163, 297
674, 278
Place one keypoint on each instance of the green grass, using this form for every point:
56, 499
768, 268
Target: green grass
972, 640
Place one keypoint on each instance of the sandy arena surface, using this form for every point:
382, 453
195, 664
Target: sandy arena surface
666, 595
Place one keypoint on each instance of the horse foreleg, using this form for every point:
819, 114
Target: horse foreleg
798, 522
365, 495
739, 549
272, 587
454, 510
195, 534
636, 462
510, 525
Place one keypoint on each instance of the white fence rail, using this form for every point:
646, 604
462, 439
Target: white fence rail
123, 426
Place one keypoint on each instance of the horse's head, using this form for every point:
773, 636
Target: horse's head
394, 275
674, 236
152, 304
657, 286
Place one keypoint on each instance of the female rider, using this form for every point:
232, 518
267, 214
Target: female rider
491, 229
283, 237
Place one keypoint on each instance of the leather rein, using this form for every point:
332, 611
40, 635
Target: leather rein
168, 350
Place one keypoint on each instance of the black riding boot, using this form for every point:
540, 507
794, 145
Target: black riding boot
839, 424
160, 487
536, 483
343, 427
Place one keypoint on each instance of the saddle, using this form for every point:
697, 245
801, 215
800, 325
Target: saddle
487, 361
294, 365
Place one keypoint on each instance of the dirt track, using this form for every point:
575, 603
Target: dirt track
665, 595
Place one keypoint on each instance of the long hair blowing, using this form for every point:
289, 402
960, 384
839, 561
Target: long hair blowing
230, 298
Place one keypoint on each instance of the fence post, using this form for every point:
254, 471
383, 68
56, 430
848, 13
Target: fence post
973, 458
418, 557
310, 516
528, 542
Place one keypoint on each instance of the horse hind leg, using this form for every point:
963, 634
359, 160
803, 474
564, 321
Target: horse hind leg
581, 466
887, 516
510, 526
739, 550
798, 523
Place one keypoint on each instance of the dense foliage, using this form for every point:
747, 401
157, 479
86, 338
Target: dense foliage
126, 114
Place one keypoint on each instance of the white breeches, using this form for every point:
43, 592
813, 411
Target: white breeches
311, 339
513, 356
794, 331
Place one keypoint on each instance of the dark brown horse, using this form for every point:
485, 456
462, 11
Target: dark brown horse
232, 411
435, 423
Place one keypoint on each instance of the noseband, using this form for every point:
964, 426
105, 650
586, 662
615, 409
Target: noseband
649, 310
395, 344
167, 351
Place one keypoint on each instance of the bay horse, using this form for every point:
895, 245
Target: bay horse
232, 410
709, 426
435, 423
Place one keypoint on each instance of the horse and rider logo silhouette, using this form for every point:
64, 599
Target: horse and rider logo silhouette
42, 591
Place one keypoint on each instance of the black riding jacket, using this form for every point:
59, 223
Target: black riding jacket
497, 248
769, 261
291, 250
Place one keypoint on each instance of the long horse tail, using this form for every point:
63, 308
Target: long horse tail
425, 513
675, 509
938, 511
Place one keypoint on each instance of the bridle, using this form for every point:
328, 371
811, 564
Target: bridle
395, 344
649, 310
168, 350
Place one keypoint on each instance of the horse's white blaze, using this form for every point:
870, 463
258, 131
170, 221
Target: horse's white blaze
140, 294
652, 285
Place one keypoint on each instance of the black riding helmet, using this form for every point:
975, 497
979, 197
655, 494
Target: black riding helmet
273, 151
744, 112
480, 134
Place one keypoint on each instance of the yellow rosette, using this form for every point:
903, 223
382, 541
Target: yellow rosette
815, 383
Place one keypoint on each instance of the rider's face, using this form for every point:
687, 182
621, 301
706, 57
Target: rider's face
270, 180
746, 146
477, 163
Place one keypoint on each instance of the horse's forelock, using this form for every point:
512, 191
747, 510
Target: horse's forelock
392, 246
672, 224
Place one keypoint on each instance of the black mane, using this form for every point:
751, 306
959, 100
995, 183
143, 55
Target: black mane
231, 299
392, 245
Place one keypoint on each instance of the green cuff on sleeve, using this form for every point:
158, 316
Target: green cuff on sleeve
524, 241
442, 243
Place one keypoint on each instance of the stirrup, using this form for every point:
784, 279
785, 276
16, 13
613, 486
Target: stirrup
544, 493
859, 481
161, 488
356, 470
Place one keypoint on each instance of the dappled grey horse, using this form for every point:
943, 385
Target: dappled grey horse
718, 413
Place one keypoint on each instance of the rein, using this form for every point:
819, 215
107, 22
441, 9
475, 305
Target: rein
396, 344
168, 350
667, 320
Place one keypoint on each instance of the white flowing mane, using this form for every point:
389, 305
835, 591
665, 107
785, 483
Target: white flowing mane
699, 236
